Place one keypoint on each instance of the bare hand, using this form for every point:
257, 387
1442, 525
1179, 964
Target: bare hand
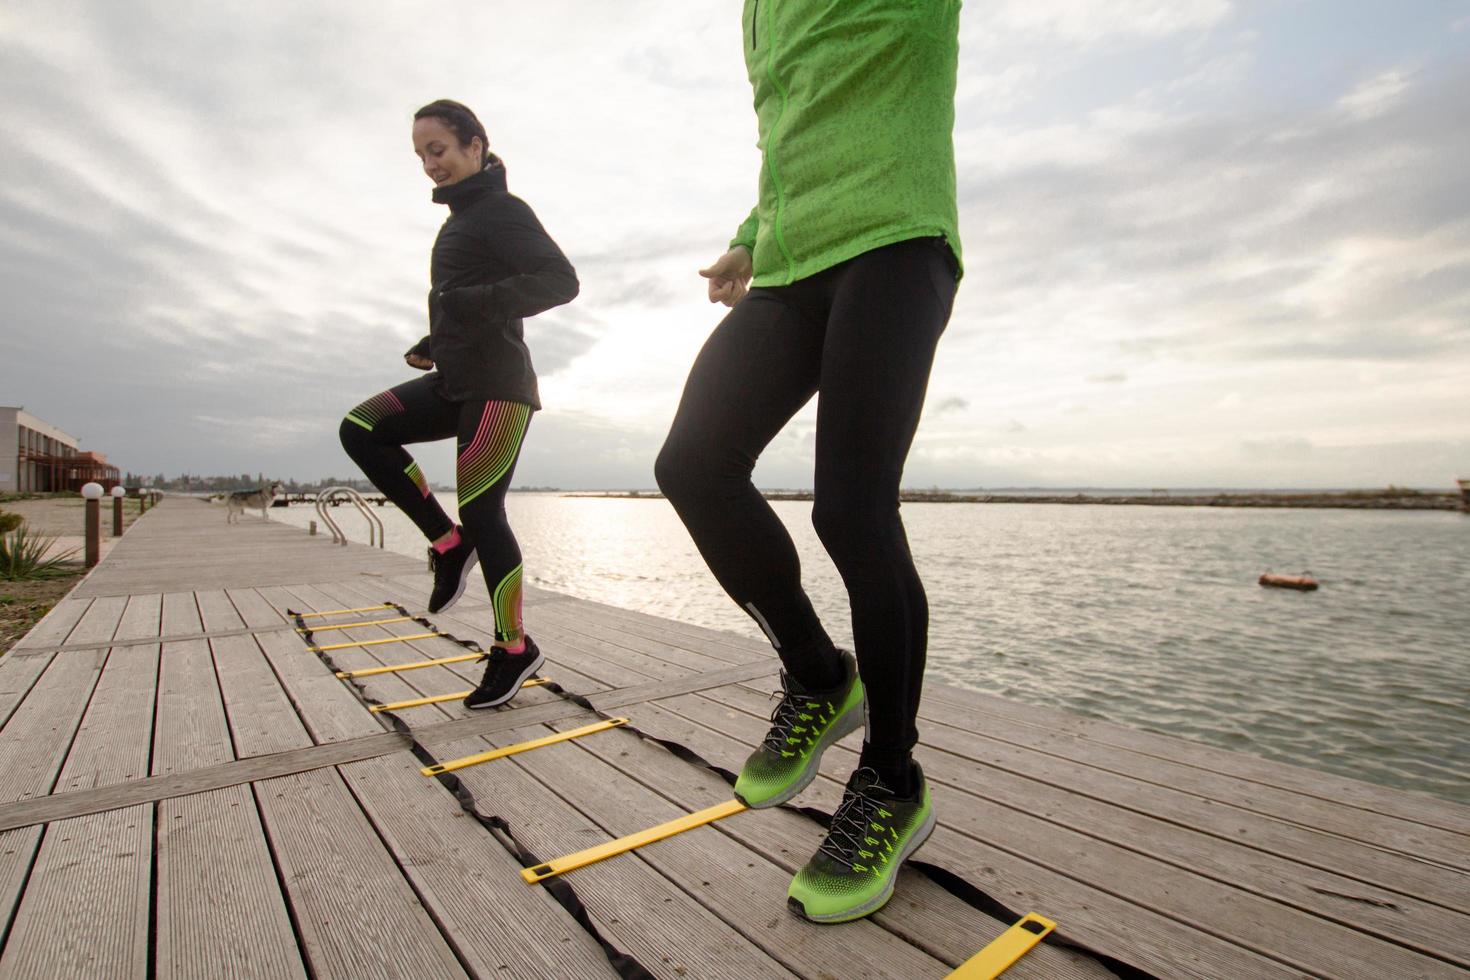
729, 276
419, 361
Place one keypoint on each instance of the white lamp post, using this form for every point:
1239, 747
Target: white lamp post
92, 493
118, 493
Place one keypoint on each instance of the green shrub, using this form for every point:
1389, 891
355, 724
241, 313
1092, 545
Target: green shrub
8, 522
23, 555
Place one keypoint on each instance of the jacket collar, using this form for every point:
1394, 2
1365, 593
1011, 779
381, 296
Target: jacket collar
458, 196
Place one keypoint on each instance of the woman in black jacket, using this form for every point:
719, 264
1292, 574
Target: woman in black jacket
493, 265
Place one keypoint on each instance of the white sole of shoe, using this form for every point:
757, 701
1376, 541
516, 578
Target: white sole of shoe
536, 663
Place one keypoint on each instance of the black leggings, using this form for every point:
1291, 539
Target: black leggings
863, 333
489, 442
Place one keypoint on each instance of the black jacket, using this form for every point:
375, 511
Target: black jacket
493, 265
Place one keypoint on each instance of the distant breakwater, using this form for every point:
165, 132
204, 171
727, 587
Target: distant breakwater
1392, 499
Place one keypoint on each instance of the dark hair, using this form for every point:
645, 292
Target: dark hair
461, 121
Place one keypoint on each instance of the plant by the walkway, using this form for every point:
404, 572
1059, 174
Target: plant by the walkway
8, 522
23, 555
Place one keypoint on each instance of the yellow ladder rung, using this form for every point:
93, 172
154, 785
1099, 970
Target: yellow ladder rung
348, 626
1005, 949
374, 643
535, 743
439, 698
622, 845
341, 612
370, 671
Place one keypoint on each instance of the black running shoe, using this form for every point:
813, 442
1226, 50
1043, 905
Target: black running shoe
451, 572
504, 675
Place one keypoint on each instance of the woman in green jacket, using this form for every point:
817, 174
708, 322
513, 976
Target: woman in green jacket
841, 281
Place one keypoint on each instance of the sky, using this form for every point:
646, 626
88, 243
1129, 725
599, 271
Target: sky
1207, 242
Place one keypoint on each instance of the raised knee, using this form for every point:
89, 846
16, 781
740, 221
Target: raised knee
351, 434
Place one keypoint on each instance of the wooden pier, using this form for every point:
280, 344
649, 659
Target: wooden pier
187, 790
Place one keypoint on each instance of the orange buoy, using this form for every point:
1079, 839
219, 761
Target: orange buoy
1302, 583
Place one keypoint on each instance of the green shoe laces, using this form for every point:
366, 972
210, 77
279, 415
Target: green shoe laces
797, 721
862, 835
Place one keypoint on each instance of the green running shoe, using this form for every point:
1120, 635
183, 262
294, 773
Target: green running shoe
873, 832
802, 726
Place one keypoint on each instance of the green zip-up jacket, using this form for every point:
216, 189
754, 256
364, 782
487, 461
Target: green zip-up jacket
855, 106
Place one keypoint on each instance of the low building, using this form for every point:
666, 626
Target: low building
37, 457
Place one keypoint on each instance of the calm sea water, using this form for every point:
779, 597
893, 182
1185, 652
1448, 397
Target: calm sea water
1146, 616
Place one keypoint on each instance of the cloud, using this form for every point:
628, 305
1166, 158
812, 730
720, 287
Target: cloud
1375, 96
1081, 22
1183, 224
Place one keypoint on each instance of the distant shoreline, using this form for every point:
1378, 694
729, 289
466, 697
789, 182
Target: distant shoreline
1391, 499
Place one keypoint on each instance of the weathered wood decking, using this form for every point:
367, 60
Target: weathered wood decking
186, 789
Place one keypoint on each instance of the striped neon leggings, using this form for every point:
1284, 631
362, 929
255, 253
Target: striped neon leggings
489, 436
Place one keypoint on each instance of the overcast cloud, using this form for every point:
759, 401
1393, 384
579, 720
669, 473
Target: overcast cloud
1207, 242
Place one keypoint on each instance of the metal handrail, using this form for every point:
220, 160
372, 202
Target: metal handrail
375, 524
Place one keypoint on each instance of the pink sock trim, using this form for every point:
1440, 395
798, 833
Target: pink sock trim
450, 543
520, 647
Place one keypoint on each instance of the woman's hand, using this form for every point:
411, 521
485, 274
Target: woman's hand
418, 361
729, 276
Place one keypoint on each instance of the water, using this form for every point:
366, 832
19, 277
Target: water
1145, 616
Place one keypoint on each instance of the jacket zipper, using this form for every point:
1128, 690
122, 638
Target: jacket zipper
755, 14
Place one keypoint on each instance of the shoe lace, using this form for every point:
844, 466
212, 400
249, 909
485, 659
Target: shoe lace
796, 720
494, 658
861, 836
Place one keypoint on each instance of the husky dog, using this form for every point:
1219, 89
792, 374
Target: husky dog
237, 502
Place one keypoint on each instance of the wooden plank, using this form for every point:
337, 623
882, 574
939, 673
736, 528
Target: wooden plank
1314, 862
260, 713
1296, 939
220, 911
469, 883
191, 729
626, 625
680, 938
425, 682
1300, 780
69, 648
218, 898
91, 875
1145, 819
1392, 916
452, 731
55, 626
39, 733
18, 674
165, 555
922, 913
36, 738
61, 806
1143, 937
1418, 840
355, 911
1328, 786
742, 886
114, 739
331, 712
356, 915
85, 910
